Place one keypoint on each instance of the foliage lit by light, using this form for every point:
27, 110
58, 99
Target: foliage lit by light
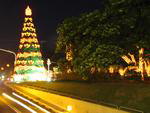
69, 53
141, 66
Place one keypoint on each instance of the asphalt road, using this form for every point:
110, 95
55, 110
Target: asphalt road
8, 105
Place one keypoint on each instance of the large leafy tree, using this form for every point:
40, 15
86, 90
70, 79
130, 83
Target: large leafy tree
101, 37
91, 36
135, 14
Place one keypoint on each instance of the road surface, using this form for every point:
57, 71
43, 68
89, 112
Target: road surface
11, 102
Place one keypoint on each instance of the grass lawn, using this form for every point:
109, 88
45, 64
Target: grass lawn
133, 95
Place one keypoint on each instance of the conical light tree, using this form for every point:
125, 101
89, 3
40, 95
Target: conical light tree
29, 64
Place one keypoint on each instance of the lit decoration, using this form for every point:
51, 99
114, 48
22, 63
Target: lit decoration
93, 70
28, 11
69, 108
29, 64
122, 71
111, 69
128, 60
69, 53
132, 59
143, 64
141, 51
147, 67
146, 61
69, 57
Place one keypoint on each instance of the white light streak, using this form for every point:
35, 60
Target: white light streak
12, 107
18, 102
30, 102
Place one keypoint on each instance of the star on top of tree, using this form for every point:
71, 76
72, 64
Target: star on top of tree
28, 11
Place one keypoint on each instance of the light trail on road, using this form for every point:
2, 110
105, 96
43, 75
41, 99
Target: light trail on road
10, 106
30, 102
18, 102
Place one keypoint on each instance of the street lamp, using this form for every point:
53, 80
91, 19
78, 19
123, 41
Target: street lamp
8, 51
2, 68
48, 64
7, 65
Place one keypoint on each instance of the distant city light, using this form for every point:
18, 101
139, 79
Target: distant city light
2, 68
8, 65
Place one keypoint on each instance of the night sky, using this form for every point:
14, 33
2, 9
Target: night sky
47, 14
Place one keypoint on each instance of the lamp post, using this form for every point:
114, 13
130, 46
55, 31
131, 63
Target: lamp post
48, 65
8, 51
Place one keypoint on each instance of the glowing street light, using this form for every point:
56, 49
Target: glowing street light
2, 68
48, 64
48, 71
69, 108
7, 65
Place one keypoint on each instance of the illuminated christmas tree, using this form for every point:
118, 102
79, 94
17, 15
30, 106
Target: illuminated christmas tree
29, 64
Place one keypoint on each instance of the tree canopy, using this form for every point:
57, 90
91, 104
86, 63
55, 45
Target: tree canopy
101, 37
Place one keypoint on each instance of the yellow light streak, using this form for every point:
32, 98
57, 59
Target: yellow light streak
30, 102
132, 58
18, 102
126, 59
